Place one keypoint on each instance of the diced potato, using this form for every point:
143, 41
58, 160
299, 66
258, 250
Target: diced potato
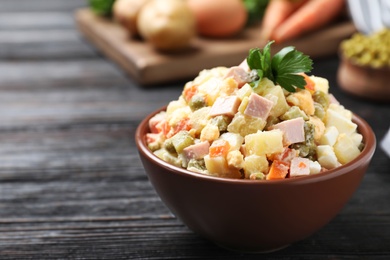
264, 143
235, 140
243, 105
229, 85
326, 157
294, 112
209, 133
342, 123
218, 166
244, 91
199, 118
255, 164
244, 125
345, 149
235, 159
176, 104
211, 88
330, 136
276, 95
264, 84
178, 115
205, 75
321, 84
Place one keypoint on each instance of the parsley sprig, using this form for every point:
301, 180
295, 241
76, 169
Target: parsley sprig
283, 68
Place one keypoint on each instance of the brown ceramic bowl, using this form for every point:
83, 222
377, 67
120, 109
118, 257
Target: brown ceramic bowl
255, 216
364, 81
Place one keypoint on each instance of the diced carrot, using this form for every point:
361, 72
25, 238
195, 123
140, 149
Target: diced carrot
189, 92
276, 13
310, 84
165, 128
219, 148
183, 124
302, 165
277, 171
313, 15
156, 121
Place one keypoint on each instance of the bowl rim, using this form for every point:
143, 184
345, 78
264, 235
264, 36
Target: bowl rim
365, 155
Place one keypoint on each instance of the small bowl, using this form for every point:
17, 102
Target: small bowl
255, 216
364, 81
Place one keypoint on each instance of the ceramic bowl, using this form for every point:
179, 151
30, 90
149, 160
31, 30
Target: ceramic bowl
255, 216
364, 81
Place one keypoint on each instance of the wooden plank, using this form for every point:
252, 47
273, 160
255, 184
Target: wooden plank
148, 66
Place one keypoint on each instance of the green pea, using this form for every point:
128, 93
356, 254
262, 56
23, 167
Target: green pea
197, 102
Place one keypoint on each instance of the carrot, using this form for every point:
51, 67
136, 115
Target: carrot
219, 148
189, 92
276, 13
312, 15
183, 124
310, 84
278, 170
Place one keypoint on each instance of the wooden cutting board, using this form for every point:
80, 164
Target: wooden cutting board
150, 67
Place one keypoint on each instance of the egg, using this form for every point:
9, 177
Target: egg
218, 18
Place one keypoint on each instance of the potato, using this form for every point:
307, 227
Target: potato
126, 12
167, 24
276, 95
264, 143
255, 164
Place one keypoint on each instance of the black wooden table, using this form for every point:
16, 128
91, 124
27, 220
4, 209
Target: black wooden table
71, 182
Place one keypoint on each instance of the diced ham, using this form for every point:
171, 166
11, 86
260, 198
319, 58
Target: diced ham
156, 121
197, 151
286, 156
225, 106
239, 74
299, 167
244, 65
258, 106
293, 130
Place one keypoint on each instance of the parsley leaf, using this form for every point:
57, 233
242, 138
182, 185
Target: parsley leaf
283, 68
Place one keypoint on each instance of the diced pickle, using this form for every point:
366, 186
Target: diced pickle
198, 164
294, 112
271, 120
307, 148
181, 140
319, 110
197, 102
321, 98
168, 145
257, 176
221, 122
